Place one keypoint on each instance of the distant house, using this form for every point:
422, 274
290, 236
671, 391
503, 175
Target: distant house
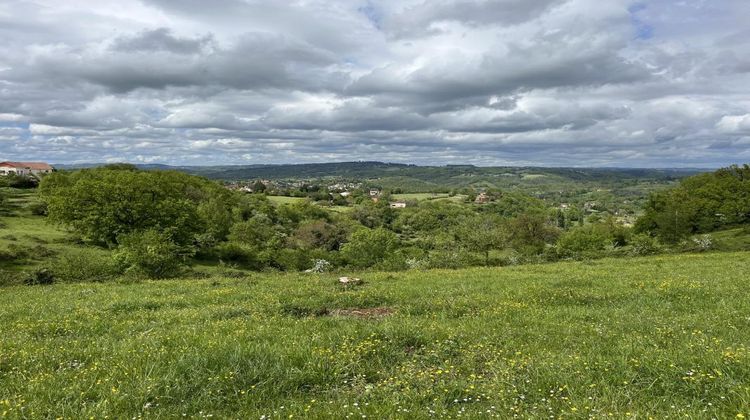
374, 193
482, 198
25, 168
345, 193
397, 205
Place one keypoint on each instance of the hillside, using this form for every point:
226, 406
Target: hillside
446, 176
657, 336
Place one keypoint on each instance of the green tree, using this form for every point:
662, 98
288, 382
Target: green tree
150, 252
102, 204
259, 232
319, 234
700, 204
258, 187
368, 247
529, 233
481, 233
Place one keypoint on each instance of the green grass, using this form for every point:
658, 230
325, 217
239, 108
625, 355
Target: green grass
428, 196
42, 241
418, 196
280, 199
657, 336
340, 209
731, 240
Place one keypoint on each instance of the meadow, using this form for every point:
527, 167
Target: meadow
428, 196
613, 338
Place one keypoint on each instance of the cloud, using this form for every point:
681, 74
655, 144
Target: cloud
734, 124
161, 39
543, 82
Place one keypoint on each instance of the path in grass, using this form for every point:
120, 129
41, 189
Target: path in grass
643, 337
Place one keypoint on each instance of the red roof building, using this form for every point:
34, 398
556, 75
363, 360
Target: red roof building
25, 168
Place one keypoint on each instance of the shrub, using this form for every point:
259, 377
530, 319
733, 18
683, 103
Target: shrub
644, 245
233, 252
21, 181
103, 203
583, 241
39, 277
86, 266
368, 247
703, 243
151, 253
291, 259
38, 208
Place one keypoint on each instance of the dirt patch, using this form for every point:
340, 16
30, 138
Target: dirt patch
363, 312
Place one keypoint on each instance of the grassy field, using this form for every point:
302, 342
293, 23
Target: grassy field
428, 196
280, 199
623, 338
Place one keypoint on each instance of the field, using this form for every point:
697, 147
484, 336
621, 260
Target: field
628, 338
428, 196
280, 199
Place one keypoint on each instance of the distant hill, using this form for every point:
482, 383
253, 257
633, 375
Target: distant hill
427, 178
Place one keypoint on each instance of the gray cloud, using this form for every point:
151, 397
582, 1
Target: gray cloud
546, 82
161, 39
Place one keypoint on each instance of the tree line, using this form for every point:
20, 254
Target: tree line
158, 222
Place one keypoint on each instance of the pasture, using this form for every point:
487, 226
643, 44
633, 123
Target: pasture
280, 199
625, 338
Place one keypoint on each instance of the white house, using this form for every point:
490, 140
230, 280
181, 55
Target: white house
398, 205
25, 168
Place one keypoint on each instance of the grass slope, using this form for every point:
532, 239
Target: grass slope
634, 338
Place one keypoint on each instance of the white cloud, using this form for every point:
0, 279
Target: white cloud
550, 82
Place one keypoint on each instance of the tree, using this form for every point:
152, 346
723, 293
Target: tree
701, 203
319, 234
373, 215
259, 232
368, 247
150, 252
258, 187
102, 204
481, 233
529, 233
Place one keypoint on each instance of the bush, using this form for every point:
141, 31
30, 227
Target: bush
319, 266
21, 181
39, 277
584, 241
86, 266
151, 253
644, 245
368, 247
38, 208
704, 243
233, 252
291, 259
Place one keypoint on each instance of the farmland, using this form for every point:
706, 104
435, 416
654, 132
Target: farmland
654, 336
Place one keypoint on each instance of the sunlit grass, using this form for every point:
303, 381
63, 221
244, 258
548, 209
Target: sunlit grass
280, 199
657, 336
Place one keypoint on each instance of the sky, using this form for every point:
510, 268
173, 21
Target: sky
585, 83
